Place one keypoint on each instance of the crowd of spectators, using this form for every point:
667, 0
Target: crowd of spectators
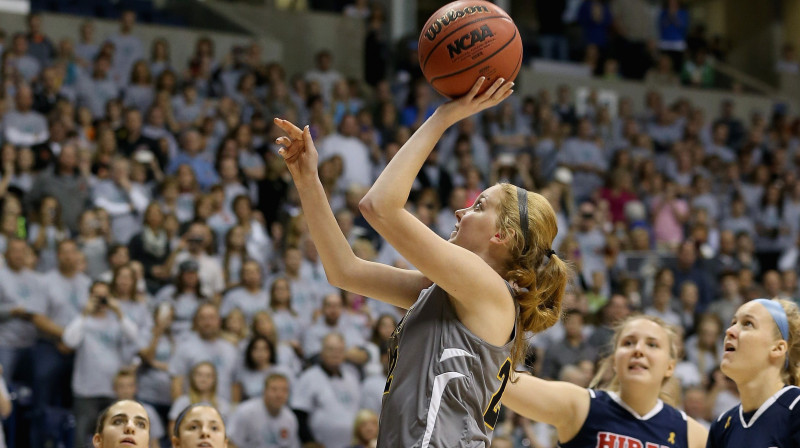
154, 245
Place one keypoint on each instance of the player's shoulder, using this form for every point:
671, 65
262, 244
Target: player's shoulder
725, 419
789, 399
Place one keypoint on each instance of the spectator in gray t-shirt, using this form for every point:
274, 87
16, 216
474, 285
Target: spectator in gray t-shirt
24, 126
98, 89
27, 65
250, 297
128, 48
204, 344
20, 299
266, 421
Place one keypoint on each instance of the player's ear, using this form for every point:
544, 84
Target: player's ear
501, 237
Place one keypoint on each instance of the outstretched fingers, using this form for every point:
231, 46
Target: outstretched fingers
291, 130
497, 92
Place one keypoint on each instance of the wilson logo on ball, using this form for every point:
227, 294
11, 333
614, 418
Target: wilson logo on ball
468, 40
452, 15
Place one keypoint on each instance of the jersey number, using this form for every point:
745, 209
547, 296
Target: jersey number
392, 365
493, 410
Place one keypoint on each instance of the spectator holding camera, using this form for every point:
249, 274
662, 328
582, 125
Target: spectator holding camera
98, 335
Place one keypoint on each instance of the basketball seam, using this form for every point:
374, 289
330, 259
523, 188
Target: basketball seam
477, 63
444, 38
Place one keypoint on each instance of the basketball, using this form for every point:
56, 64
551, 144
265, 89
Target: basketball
465, 40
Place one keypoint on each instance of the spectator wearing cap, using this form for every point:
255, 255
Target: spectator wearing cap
204, 343
24, 126
195, 246
183, 296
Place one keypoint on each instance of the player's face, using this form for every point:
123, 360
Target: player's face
126, 425
643, 354
201, 427
748, 341
477, 224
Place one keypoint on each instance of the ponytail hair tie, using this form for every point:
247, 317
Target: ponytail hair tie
550, 253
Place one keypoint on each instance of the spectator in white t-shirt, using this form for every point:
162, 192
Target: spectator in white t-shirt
334, 320
197, 242
250, 297
24, 126
266, 421
324, 74
98, 336
327, 396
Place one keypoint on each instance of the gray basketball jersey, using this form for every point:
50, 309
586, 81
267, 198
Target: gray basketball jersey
444, 383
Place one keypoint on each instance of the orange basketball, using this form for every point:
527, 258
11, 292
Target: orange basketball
465, 40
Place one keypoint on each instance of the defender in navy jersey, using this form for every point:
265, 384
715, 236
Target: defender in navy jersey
762, 350
776, 423
454, 352
630, 416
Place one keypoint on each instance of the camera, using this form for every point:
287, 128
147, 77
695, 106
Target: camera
102, 300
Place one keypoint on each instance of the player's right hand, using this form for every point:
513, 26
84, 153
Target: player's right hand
298, 150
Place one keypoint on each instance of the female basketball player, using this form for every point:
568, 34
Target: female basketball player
123, 424
630, 413
451, 356
762, 352
199, 425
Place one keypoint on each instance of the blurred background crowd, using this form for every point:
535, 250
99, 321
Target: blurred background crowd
154, 245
